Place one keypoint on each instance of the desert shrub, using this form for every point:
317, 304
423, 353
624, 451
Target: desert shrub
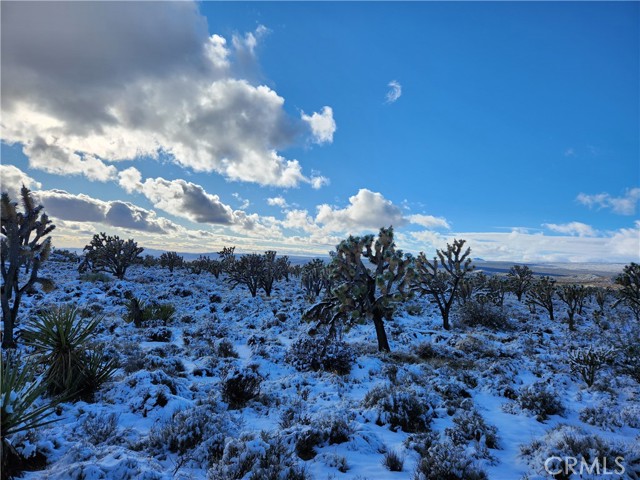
470, 426
257, 457
393, 461
335, 429
569, 441
475, 313
241, 386
602, 416
225, 349
400, 409
324, 353
106, 253
539, 400
98, 428
94, 277
140, 312
62, 341
587, 362
196, 434
445, 461
158, 334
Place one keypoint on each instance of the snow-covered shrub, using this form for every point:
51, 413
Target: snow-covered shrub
335, 429
197, 434
399, 408
474, 314
587, 362
564, 444
447, 461
257, 457
333, 460
225, 349
241, 386
393, 461
309, 353
539, 400
471, 426
98, 428
603, 416
158, 334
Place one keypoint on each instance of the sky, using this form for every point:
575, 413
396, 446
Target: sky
291, 125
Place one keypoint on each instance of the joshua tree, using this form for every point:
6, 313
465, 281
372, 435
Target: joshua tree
441, 277
171, 260
359, 292
111, 254
541, 295
314, 277
520, 280
227, 258
573, 296
23, 245
247, 271
629, 294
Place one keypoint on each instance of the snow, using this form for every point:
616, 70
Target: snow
472, 369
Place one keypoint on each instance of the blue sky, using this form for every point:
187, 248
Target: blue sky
291, 125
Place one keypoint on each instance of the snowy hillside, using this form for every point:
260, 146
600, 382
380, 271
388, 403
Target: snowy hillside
470, 399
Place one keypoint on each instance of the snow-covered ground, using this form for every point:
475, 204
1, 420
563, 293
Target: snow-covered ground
459, 382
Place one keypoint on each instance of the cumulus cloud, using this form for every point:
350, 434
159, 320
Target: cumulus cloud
278, 201
395, 91
322, 125
12, 179
625, 205
87, 84
573, 228
83, 208
428, 221
366, 210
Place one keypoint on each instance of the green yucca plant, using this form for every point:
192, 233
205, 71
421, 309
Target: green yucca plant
139, 312
62, 340
19, 390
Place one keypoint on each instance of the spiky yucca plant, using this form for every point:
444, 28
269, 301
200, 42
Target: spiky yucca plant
62, 340
19, 390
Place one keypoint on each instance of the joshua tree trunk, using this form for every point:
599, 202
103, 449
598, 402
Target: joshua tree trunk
378, 322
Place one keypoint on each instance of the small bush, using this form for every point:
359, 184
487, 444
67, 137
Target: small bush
225, 349
94, 277
196, 434
401, 409
601, 416
314, 353
393, 461
445, 461
257, 457
475, 313
538, 399
565, 441
470, 426
98, 428
158, 334
241, 386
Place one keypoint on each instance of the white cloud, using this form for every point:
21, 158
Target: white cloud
625, 205
66, 206
89, 84
395, 91
322, 125
572, 228
244, 203
366, 210
278, 201
429, 221
12, 179
318, 181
